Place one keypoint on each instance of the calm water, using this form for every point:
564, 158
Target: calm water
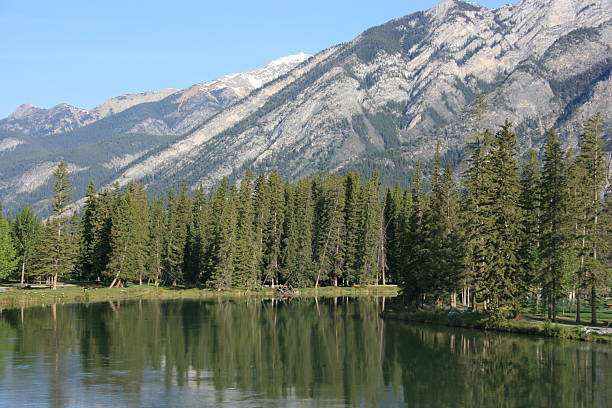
301, 353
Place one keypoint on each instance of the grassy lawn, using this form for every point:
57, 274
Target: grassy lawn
14, 295
476, 320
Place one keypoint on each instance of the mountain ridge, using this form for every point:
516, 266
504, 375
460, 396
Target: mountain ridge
397, 86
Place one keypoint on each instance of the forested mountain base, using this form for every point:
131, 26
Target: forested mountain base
501, 238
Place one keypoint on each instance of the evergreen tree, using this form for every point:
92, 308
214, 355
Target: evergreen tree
555, 239
500, 286
175, 245
370, 234
118, 263
58, 246
414, 279
529, 250
8, 259
273, 228
247, 262
138, 221
87, 234
591, 177
224, 239
394, 231
157, 225
444, 259
198, 237
354, 227
26, 232
475, 212
329, 230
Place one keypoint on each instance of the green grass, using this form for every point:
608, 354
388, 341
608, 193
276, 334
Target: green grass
16, 296
486, 322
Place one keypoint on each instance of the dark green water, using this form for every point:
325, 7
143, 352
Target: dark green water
301, 353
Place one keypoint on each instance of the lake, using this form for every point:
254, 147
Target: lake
254, 352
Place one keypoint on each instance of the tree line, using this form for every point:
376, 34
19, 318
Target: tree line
493, 235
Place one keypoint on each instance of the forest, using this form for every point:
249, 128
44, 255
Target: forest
494, 234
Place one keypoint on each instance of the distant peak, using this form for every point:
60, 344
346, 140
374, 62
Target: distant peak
23, 110
441, 9
290, 59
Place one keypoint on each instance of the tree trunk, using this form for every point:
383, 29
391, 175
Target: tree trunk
22, 272
593, 304
578, 306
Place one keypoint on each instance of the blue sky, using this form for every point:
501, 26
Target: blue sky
84, 52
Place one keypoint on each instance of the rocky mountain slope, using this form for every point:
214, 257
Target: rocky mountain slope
100, 142
379, 102
386, 98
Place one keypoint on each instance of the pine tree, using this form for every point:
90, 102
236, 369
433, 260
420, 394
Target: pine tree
414, 279
328, 239
370, 234
590, 164
529, 250
273, 228
444, 260
26, 231
57, 246
555, 239
118, 263
246, 263
8, 258
353, 227
500, 286
157, 225
198, 239
138, 221
177, 219
224, 240
86, 262
475, 213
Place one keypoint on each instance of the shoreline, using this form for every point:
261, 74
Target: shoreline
12, 297
479, 321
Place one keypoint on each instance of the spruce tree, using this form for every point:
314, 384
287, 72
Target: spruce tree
353, 227
117, 268
590, 163
555, 240
57, 246
246, 262
138, 221
529, 250
224, 240
415, 276
155, 254
329, 230
198, 239
273, 228
86, 261
8, 259
475, 213
26, 231
501, 284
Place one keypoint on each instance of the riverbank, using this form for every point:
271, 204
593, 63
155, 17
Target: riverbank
12, 296
484, 322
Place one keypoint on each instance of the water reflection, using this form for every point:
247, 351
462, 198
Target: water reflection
304, 352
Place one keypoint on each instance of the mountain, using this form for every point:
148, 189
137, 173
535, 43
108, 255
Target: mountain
385, 99
100, 142
379, 102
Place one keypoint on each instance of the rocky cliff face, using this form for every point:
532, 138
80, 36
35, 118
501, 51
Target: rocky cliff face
381, 101
100, 142
388, 97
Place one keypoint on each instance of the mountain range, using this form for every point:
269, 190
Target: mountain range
377, 103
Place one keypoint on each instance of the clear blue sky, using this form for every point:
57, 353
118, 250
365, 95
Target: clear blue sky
83, 52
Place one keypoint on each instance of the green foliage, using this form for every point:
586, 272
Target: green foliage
8, 260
